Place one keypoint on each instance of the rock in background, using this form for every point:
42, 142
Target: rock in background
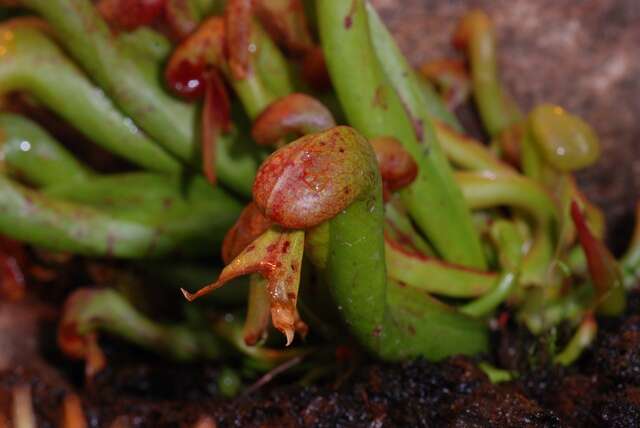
583, 55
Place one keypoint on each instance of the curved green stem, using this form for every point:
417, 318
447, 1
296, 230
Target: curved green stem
374, 108
509, 243
147, 43
420, 325
582, 339
86, 36
468, 153
136, 91
530, 158
486, 304
258, 311
30, 153
193, 214
271, 65
262, 358
390, 320
435, 276
88, 311
399, 227
254, 95
541, 312
329, 183
268, 80
33, 63
476, 36
135, 190
133, 232
486, 190
436, 105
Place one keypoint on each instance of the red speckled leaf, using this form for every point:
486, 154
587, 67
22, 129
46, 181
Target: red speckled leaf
277, 256
314, 178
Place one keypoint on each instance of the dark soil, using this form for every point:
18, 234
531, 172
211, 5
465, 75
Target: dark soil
140, 390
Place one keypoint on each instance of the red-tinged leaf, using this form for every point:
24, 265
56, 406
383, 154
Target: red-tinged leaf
130, 14
401, 240
249, 226
12, 282
295, 114
314, 70
409, 266
581, 340
216, 118
95, 360
187, 80
238, 19
510, 142
73, 340
472, 22
397, 167
309, 181
190, 63
286, 23
277, 256
399, 229
181, 18
603, 268
451, 78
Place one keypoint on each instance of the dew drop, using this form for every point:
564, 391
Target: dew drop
25, 146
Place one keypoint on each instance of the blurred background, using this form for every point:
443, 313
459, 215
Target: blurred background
581, 54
